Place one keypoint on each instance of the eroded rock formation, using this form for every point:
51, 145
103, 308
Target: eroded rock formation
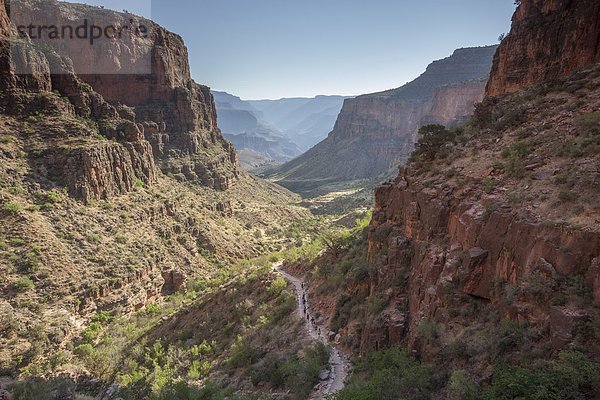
132, 106
548, 39
441, 242
375, 133
451, 242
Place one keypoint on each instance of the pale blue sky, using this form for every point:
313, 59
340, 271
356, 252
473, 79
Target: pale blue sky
284, 48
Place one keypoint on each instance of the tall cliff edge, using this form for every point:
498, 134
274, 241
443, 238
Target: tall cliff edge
549, 39
375, 133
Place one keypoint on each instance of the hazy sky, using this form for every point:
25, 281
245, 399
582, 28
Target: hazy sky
284, 48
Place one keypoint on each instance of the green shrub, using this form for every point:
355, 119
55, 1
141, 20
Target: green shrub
461, 387
588, 124
377, 305
93, 238
13, 208
30, 262
139, 183
509, 336
277, 286
243, 355
572, 377
428, 330
121, 239
41, 389
391, 374
50, 197
24, 284
300, 375
566, 196
514, 155
198, 369
489, 185
92, 332
345, 266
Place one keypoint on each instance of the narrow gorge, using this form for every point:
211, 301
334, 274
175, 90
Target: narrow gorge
439, 240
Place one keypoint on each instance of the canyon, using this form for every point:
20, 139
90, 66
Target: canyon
375, 133
271, 132
485, 252
138, 259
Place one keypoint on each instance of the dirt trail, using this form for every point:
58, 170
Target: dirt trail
339, 363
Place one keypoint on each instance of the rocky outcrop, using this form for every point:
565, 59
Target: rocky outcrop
453, 104
24, 57
4, 21
104, 170
549, 39
151, 76
453, 243
375, 133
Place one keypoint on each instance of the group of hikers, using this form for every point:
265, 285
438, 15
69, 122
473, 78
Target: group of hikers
310, 318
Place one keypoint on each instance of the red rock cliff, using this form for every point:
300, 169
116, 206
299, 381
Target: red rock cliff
548, 39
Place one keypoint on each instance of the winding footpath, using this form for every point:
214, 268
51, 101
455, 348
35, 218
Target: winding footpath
339, 364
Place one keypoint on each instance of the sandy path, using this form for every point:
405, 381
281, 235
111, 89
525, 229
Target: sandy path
339, 364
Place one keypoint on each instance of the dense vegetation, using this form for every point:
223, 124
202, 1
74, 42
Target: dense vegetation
392, 374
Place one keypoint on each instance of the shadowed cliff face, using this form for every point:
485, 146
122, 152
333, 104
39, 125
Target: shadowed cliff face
172, 112
548, 39
375, 133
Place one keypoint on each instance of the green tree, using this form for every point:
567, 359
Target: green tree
433, 142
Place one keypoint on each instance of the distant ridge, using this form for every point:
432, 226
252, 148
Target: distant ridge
375, 133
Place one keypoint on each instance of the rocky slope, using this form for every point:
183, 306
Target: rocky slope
565, 34
483, 255
375, 133
88, 220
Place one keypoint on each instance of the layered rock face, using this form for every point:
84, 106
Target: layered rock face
453, 104
548, 39
150, 75
375, 133
451, 243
